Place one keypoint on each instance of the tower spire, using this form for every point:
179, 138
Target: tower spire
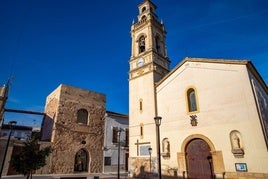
3, 98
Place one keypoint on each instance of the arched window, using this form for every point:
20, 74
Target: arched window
191, 100
143, 9
143, 18
141, 44
82, 116
81, 161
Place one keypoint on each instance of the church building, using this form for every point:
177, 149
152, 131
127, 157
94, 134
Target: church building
212, 114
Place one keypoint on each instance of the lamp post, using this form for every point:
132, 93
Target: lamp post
11, 125
150, 153
210, 166
157, 120
118, 165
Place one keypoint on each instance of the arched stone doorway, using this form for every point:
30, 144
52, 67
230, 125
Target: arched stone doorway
81, 161
198, 159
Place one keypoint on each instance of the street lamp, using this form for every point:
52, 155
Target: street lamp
210, 166
150, 153
157, 120
11, 126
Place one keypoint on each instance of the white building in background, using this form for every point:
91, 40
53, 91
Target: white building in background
113, 123
20, 132
18, 136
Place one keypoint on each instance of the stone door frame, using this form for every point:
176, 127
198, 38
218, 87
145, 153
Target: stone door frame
217, 158
86, 163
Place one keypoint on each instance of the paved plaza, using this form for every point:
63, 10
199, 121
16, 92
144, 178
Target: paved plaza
71, 176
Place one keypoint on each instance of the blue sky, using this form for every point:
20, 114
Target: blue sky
86, 44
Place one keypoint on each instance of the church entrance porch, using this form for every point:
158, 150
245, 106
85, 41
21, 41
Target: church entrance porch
81, 161
198, 153
199, 160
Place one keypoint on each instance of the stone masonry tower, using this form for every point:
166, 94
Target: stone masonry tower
74, 126
148, 64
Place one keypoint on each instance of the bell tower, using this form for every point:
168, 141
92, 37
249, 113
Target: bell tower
148, 44
148, 64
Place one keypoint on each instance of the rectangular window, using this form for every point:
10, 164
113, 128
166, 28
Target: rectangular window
140, 104
19, 134
115, 136
144, 150
141, 130
127, 137
107, 161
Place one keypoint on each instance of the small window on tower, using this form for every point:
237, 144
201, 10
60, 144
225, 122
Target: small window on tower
140, 104
82, 116
141, 44
143, 18
143, 9
141, 130
157, 44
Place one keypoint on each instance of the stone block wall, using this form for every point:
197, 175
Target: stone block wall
68, 136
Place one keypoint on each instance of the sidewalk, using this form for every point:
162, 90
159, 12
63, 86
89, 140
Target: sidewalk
71, 176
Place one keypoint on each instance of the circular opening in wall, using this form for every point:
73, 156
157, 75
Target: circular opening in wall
83, 142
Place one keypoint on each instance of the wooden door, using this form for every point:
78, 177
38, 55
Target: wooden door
197, 159
81, 161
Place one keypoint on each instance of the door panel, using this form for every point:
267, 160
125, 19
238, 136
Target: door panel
197, 154
81, 161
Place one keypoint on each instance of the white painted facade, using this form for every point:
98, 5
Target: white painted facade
110, 148
226, 103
